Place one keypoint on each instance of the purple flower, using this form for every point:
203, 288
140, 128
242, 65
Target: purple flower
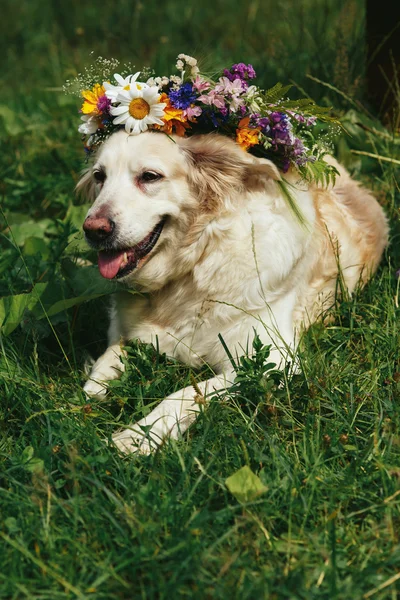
262, 122
240, 71
278, 130
398, 274
299, 118
278, 117
298, 147
302, 119
299, 152
183, 97
103, 104
281, 129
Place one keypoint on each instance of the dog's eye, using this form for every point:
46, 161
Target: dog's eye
99, 176
150, 176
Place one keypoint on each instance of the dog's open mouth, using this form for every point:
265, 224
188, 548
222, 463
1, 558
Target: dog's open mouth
119, 263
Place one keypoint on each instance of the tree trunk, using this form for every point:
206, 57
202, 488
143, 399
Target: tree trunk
383, 67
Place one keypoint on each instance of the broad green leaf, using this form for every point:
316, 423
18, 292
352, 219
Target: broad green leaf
27, 229
245, 485
35, 245
85, 281
81, 285
12, 308
69, 303
14, 218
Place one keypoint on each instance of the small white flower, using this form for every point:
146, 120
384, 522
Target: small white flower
192, 62
252, 95
175, 79
157, 81
138, 108
90, 125
189, 60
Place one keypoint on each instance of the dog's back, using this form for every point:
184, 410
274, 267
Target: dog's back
351, 234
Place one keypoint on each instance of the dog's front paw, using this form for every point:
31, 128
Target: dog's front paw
130, 441
95, 389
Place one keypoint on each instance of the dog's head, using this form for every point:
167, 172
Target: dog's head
154, 196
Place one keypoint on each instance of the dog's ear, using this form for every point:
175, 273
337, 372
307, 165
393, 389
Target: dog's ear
261, 170
219, 169
86, 186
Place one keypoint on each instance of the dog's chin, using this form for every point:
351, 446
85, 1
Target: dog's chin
119, 262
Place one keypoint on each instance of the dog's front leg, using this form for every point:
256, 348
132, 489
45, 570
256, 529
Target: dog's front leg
171, 417
106, 368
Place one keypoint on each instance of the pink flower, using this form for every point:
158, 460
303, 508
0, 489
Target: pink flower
229, 87
191, 112
200, 84
232, 90
213, 98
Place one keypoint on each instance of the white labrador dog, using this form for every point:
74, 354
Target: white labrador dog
202, 230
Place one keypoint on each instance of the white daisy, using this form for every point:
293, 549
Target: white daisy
124, 83
139, 107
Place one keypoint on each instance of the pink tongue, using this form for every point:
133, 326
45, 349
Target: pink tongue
109, 263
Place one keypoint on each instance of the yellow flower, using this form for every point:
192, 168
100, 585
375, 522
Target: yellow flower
91, 99
247, 136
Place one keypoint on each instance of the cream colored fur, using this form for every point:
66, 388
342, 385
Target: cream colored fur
232, 259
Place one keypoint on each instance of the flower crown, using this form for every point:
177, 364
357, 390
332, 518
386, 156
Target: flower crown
262, 122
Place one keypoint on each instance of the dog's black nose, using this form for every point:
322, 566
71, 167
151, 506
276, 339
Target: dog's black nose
98, 229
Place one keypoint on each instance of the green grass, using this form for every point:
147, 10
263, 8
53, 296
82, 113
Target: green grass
77, 519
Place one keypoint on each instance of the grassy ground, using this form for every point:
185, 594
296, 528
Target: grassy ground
80, 521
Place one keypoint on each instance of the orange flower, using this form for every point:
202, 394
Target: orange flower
247, 136
173, 118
